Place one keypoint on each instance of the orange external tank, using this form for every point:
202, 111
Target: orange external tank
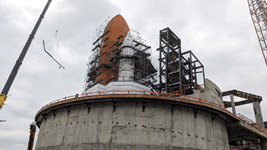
114, 35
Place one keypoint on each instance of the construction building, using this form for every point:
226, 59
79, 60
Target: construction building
124, 107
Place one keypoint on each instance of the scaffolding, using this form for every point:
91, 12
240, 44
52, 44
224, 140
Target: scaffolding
179, 72
127, 58
92, 65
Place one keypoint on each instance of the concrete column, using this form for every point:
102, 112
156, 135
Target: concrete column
259, 121
258, 114
233, 104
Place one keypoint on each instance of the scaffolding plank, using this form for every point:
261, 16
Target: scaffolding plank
101, 37
98, 45
110, 79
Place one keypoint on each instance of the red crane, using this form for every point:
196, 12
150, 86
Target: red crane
258, 12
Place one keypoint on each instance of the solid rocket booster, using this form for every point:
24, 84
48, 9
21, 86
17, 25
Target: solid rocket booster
126, 66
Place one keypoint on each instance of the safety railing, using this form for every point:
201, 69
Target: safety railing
250, 122
132, 92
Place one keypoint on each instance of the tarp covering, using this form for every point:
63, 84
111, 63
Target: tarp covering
120, 86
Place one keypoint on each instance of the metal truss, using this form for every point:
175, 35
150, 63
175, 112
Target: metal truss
258, 14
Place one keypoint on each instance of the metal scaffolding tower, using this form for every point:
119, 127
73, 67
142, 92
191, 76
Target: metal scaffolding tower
177, 71
169, 52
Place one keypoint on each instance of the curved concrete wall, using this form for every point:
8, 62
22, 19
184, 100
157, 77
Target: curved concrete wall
211, 93
131, 126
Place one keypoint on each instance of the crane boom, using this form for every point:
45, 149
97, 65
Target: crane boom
258, 12
18, 63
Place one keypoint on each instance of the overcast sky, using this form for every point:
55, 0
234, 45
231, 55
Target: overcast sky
220, 33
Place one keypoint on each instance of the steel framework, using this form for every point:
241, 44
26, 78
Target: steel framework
258, 14
177, 71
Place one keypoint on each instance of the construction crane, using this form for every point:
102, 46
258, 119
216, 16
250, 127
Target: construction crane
18, 63
258, 12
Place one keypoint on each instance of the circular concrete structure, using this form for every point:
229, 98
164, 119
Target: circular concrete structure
132, 122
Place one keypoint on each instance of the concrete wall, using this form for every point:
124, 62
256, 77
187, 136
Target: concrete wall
211, 93
131, 126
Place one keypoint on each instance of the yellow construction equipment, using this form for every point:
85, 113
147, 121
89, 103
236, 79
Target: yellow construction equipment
2, 100
18, 63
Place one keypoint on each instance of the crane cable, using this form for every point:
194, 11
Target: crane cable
54, 38
51, 55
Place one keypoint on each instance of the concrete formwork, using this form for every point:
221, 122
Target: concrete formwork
132, 126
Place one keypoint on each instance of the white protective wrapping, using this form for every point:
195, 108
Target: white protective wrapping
118, 86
